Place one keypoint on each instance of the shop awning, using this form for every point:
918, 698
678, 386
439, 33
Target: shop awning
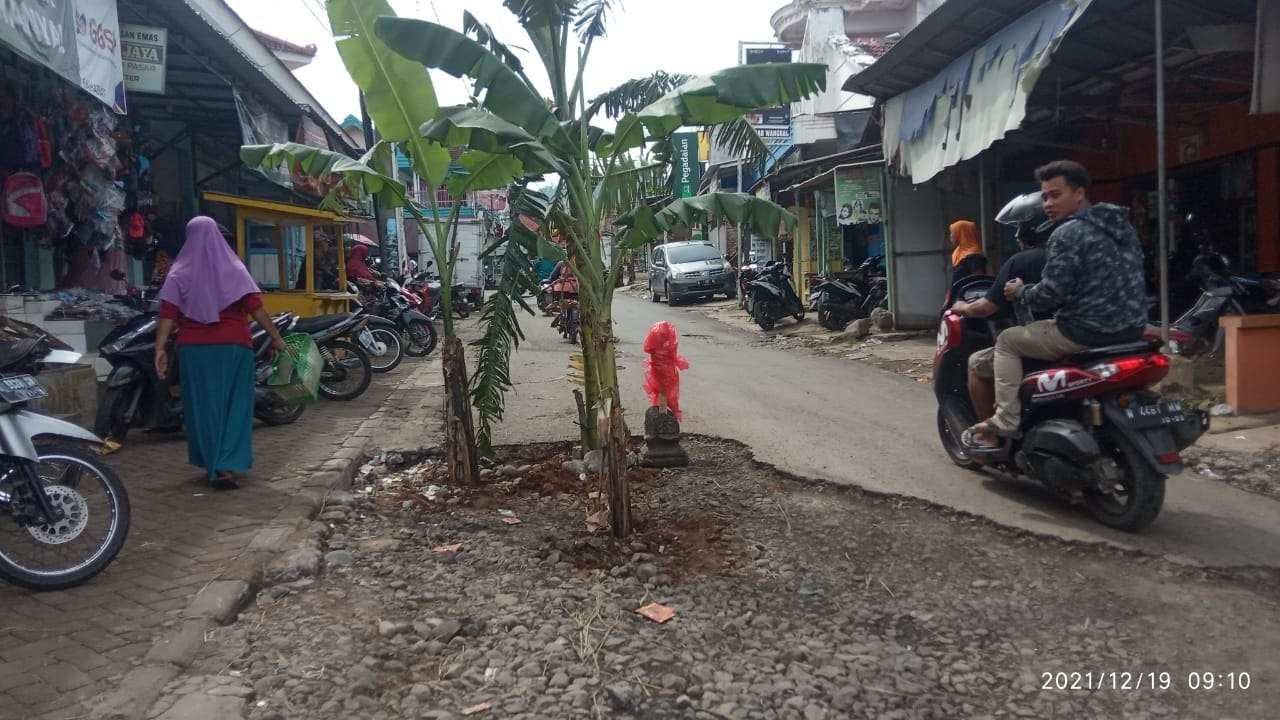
978, 97
975, 71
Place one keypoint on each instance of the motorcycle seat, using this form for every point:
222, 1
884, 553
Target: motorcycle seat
320, 322
1109, 351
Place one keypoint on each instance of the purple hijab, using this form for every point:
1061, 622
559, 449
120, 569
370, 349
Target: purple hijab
207, 276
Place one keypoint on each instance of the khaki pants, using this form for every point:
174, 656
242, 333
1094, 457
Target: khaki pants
1041, 340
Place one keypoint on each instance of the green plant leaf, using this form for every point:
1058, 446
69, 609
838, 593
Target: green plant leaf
398, 93
590, 22
502, 333
762, 216
484, 35
633, 95
484, 171
442, 48
357, 176
731, 93
480, 130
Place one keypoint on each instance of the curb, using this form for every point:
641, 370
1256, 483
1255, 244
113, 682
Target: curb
220, 601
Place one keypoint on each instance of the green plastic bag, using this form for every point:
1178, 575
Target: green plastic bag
295, 375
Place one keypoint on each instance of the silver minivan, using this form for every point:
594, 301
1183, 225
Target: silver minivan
683, 270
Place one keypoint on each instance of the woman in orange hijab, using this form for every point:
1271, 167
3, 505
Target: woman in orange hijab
966, 257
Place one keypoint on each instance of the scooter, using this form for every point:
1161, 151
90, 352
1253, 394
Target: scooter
51, 486
1222, 293
1092, 429
841, 300
136, 396
773, 296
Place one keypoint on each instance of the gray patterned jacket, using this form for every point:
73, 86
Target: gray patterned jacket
1093, 280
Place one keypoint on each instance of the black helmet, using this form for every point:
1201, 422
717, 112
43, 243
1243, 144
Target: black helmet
1026, 214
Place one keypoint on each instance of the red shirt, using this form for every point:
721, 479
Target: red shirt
231, 328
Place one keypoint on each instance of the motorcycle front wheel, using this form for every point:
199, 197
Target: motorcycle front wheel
421, 336
764, 315
280, 414
88, 536
394, 353
346, 373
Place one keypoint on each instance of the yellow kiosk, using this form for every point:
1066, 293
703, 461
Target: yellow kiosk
294, 253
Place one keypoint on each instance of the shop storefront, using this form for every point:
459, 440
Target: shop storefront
105, 172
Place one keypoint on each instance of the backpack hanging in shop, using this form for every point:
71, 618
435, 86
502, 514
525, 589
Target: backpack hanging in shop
25, 204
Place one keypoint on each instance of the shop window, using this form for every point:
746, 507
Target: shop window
277, 253
328, 239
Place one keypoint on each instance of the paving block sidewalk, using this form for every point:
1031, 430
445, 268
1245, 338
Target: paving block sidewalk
61, 649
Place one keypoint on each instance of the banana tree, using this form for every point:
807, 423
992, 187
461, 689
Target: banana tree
401, 101
601, 174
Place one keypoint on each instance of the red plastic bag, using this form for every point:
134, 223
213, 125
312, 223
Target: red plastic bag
663, 366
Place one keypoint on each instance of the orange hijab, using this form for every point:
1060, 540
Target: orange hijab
964, 237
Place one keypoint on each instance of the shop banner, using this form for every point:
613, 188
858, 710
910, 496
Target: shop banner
43, 31
858, 196
688, 175
98, 43
145, 51
77, 39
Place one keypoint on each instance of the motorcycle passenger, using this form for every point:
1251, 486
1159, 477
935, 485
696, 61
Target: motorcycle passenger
1028, 264
1092, 281
966, 256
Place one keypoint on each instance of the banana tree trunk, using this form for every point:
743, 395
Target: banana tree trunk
607, 423
460, 435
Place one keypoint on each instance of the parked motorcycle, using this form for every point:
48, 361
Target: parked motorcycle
841, 300
745, 276
71, 509
1091, 429
398, 306
1221, 293
136, 396
773, 296
347, 371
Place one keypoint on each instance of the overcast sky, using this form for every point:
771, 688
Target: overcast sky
685, 36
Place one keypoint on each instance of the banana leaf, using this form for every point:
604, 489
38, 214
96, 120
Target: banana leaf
731, 93
398, 92
483, 171
358, 176
442, 48
476, 129
762, 216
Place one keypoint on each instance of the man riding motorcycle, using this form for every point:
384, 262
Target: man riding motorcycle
1092, 281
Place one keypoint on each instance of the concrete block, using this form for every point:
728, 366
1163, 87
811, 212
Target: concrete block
220, 600
135, 693
180, 648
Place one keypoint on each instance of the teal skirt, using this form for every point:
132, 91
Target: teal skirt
217, 399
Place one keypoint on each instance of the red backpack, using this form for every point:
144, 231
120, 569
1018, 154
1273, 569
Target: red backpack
25, 204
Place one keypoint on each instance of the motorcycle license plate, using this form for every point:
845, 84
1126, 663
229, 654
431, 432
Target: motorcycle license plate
1155, 415
366, 338
21, 388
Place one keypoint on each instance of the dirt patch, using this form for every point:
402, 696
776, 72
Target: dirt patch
792, 600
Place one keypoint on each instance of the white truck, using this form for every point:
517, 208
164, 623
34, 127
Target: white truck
469, 270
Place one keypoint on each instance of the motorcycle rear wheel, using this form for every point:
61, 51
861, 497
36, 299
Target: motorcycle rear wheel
1136, 499
110, 423
280, 415
63, 471
421, 336
346, 373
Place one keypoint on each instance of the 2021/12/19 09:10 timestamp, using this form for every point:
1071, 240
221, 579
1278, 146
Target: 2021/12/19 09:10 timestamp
1149, 680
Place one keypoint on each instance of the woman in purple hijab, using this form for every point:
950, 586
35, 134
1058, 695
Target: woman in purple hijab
206, 295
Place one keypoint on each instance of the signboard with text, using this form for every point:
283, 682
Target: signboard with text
688, 172
778, 117
145, 50
77, 39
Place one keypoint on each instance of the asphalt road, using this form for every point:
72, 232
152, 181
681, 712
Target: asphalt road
846, 422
